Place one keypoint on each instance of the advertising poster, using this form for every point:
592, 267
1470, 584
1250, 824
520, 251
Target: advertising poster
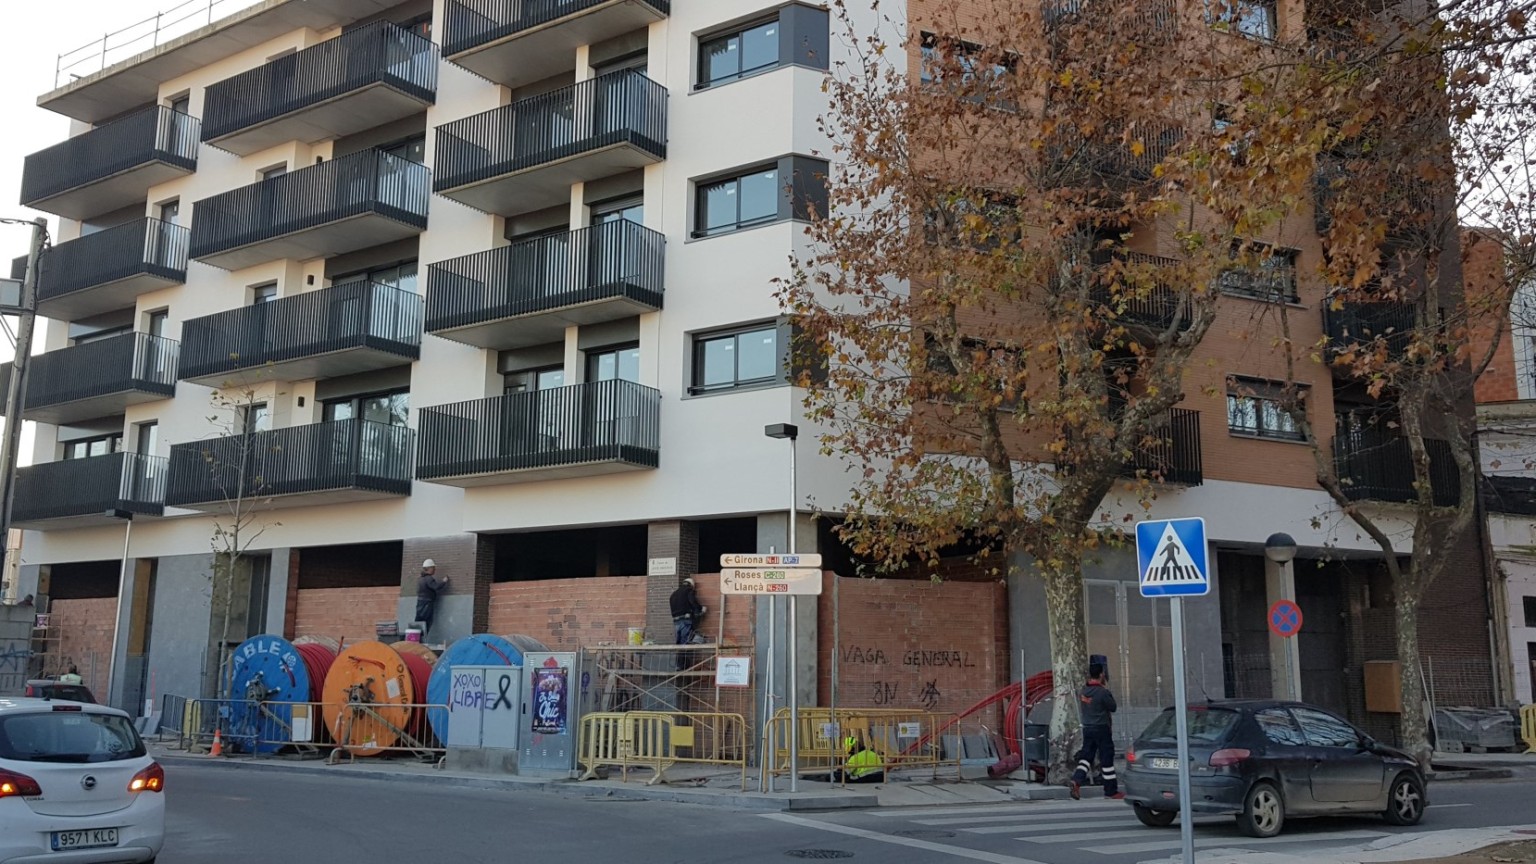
551, 698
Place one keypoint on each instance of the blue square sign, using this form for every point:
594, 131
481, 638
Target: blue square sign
1171, 558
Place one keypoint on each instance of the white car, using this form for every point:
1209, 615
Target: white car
76, 786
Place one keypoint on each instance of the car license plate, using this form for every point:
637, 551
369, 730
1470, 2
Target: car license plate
1165, 762
86, 839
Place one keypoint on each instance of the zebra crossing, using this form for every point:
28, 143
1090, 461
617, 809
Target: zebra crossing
1110, 828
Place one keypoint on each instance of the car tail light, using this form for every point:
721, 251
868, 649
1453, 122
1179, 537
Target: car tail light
66, 707
151, 779
1228, 756
31, 691
1130, 757
13, 785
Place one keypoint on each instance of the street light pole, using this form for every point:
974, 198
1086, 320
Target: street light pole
792, 432
15, 392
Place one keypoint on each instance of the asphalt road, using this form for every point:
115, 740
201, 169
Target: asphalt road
218, 815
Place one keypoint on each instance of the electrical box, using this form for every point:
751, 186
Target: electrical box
1384, 686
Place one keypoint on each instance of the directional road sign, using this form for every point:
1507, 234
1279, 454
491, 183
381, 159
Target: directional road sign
755, 560
1171, 558
1285, 618
767, 580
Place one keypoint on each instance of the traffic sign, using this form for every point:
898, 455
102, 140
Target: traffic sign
755, 560
767, 580
1285, 618
1171, 558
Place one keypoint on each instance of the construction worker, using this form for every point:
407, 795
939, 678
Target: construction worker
72, 676
428, 587
686, 611
1097, 705
864, 764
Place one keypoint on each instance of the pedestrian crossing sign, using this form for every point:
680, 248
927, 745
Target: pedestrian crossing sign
1171, 558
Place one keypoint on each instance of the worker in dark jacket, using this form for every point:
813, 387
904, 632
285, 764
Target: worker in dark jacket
427, 589
686, 611
1097, 705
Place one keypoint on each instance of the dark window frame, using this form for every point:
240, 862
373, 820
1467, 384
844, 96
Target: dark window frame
801, 182
701, 192
1530, 610
1261, 392
1227, 16
113, 440
698, 341
1268, 282
356, 401
931, 45
592, 355
803, 39
702, 82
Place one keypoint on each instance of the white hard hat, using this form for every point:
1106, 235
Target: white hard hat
690, 581
428, 563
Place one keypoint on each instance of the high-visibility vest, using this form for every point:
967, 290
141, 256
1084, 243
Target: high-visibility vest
865, 762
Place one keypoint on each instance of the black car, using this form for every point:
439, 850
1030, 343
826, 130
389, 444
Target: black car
48, 688
1265, 761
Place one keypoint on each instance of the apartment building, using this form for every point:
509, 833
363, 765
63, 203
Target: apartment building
492, 284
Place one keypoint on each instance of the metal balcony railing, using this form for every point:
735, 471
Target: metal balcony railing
346, 316
376, 53
369, 181
469, 24
622, 107
1157, 308
320, 457
91, 487
141, 247
600, 421
155, 134
1147, 18
613, 260
1358, 323
132, 361
1171, 452
1376, 464
1070, 158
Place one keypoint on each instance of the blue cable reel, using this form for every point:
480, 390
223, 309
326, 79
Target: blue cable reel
481, 649
267, 675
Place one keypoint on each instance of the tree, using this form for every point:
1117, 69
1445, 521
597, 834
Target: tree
1019, 259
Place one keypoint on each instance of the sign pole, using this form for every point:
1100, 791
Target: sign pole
1181, 712
794, 666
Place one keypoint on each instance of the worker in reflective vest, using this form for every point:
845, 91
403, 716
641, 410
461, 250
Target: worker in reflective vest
864, 764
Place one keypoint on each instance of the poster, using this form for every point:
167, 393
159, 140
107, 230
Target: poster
551, 698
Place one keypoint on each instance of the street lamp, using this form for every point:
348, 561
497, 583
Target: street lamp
1280, 549
790, 431
116, 694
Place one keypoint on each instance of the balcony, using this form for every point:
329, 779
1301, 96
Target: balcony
1148, 21
1171, 451
322, 463
525, 156
79, 492
363, 78
1071, 160
108, 270
1375, 464
98, 379
341, 330
529, 292
601, 427
517, 42
359, 200
111, 166
1364, 323
1156, 307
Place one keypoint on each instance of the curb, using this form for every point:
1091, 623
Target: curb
1461, 774
801, 803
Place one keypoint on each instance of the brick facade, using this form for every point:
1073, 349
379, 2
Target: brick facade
456, 555
1484, 273
939, 646
566, 614
678, 540
348, 614
85, 639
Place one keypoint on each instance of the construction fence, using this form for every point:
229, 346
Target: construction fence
340, 730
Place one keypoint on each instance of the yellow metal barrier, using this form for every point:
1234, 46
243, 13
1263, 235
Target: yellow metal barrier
661, 739
903, 738
1528, 727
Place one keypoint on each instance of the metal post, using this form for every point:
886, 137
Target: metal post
1181, 710
116, 694
14, 393
768, 692
794, 667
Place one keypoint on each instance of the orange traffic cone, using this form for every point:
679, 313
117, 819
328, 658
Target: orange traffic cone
218, 744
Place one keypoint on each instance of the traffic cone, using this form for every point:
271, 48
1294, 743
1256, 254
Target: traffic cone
218, 744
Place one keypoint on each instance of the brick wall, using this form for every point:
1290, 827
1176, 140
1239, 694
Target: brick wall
738, 612
85, 639
456, 558
1484, 275
566, 614
940, 646
348, 614
678, 540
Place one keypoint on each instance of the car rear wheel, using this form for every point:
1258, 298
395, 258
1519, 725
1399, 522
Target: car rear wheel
1405, 803
1263, 811
1154, 818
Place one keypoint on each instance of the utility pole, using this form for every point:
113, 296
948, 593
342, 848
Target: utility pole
15, 392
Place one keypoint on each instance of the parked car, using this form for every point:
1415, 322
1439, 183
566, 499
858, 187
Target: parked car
76, 785
48, 688
1266, 761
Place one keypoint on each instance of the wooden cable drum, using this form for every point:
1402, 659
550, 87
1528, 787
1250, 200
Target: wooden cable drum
267, 675
375, 678
417, 649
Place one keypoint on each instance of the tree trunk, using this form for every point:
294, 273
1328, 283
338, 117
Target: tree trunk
1069, 665
1415, 723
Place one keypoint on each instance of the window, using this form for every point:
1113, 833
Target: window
148, 438
530, 380
421, 25
254, 418
938, 51
1254, 408
1325, 730
412, 149
391, 407
101, 445
1206, 725
732, 55
738, 202
723, 361
1279, 728
608, 364
68, 736
1272, 276
98, 335
274, 172
170, 211
401, 275
181, 104
1530, 611
263, 294
1254, 18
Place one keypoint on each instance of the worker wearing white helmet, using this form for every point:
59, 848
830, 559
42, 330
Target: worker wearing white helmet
427, 589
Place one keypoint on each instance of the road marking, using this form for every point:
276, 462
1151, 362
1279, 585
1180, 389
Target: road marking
1015, 816
1017, 825
1019, 806
941, 848
1084, 835
1236, 842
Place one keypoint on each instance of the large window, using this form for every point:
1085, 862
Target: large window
391, 407
1271, 276
1256, 18
741, 52
940, 51
736, 358
616, 363
101, 445
738, 202
1254, 408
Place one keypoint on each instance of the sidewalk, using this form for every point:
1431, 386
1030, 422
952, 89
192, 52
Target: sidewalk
1481, 766
1425, 846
